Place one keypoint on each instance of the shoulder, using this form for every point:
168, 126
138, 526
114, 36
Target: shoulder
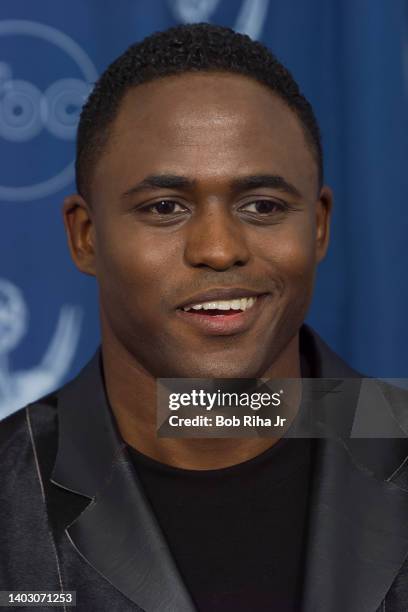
29, 425
28, 443
28, 440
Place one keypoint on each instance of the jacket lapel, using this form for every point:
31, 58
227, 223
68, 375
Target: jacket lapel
117, 533
358, 527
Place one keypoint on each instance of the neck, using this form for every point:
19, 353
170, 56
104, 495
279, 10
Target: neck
132, 395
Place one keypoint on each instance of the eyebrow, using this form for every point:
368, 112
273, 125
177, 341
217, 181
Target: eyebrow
245, 183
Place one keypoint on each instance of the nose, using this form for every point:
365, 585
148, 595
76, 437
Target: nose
215, 239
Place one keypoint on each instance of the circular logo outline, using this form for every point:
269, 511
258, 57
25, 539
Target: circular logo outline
12, 27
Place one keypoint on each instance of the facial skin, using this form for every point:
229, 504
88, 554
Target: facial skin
213, 129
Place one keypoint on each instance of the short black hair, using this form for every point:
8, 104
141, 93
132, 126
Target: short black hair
184, 48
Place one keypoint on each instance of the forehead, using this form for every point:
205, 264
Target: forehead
206, 125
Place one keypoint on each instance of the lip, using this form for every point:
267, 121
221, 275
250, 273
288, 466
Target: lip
214, 295
224, 325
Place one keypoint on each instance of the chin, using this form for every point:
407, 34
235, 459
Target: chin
220, 370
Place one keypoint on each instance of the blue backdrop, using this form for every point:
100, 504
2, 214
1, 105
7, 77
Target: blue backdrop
350, 58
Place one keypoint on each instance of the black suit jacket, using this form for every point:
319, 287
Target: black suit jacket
73, 515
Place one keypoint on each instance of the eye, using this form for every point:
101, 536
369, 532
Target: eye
264, 207
165, 207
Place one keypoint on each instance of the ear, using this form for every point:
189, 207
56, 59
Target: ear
80, 233
324, 207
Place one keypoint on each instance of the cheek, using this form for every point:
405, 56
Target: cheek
135, 266
289, 250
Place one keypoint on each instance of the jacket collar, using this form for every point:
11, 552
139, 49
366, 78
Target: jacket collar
357, 532
117, 533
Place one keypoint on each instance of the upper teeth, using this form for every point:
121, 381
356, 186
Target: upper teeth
238, 304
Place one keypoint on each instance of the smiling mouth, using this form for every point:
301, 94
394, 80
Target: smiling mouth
223, 308
224, 317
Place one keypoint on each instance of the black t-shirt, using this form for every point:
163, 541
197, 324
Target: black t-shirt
238, 533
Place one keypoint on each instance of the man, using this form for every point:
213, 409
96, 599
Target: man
201, 211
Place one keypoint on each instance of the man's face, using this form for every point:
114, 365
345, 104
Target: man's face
207, 184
